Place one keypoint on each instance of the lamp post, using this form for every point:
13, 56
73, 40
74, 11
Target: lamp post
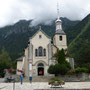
13, 84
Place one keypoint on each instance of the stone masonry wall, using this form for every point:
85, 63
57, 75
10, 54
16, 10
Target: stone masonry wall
77, 77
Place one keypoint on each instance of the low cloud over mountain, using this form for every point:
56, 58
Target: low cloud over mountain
42, 11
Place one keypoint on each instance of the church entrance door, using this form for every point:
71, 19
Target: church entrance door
40, 69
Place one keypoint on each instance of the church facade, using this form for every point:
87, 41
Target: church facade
39, 53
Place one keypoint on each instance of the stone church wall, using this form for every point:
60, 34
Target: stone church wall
74, 78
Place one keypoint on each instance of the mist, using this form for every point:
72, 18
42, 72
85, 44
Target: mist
41, 11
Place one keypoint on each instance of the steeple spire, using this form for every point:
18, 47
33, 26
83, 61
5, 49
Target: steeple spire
58, 22
57, 10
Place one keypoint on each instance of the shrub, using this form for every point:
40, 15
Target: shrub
87, 66
62, 67
56, 79
51, 69
67, 64
58, 69
71, 72
80, 70
56, 82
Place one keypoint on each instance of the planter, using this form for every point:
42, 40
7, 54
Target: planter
56, 82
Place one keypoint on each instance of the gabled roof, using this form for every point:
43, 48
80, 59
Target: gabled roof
42, 32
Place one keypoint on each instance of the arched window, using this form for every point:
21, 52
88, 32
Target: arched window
40, 52
40, 49
40, 64
36, 52
44, 52
60, 38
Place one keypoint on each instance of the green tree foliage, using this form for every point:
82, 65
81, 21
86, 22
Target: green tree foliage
67, 64
80, 70
87, 65
80, 46
62, 66
84, 54
51, 69
5, 62
61, 56
58, 69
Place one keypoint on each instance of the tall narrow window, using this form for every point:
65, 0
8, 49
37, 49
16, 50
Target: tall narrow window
40, 51
36, 52
44, 52
60, 38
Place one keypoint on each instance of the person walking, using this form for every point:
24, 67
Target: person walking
21, 79
30, 78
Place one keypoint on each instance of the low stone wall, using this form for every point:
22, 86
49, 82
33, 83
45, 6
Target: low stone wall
77, 77
13, 76
68, 78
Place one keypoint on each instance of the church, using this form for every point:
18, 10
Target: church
38, 55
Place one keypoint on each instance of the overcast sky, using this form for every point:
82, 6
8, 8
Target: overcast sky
42, 11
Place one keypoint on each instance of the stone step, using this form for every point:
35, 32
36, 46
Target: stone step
38, 79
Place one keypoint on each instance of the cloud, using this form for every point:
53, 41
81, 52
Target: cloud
42, 11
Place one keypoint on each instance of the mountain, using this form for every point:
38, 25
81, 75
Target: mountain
80, 39
72, 32
14, 38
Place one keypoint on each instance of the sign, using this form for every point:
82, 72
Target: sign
30, 66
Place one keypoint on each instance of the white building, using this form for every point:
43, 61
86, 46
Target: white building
39, 53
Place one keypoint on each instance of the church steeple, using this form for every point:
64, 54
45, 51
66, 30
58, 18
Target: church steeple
58, 22
59, 39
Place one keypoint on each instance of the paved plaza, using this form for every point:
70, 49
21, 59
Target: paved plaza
44, 85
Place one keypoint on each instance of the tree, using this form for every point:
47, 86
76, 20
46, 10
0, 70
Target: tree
62, 66
87, 65
5, 62
84, 54
60, 56
51, 69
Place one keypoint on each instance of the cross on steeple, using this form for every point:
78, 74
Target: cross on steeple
57, 10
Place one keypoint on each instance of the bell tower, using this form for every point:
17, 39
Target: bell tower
59, 38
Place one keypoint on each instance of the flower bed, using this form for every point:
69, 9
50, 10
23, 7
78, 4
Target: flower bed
56, 82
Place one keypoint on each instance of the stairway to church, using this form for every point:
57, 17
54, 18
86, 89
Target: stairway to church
38, 79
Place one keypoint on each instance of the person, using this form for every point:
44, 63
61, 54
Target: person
21, 79
30, 78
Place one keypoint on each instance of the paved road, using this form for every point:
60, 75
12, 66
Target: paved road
44, 85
